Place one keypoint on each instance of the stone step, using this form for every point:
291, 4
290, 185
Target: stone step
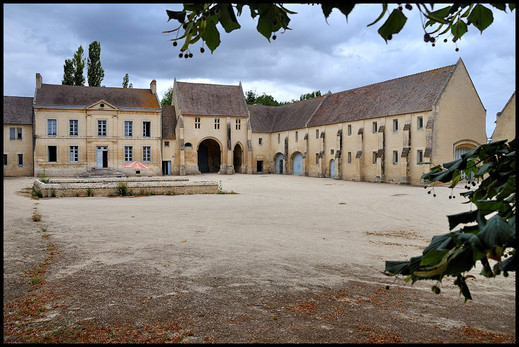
102, 173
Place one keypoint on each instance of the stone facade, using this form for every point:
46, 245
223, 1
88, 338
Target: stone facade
392, 131
505, 122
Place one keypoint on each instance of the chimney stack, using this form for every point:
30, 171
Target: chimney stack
153, 87
38, 80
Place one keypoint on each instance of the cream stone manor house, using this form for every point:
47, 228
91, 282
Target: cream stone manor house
391, 131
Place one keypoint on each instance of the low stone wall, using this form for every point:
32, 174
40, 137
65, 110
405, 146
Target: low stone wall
62, 187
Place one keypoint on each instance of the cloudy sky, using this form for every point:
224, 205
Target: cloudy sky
315, 55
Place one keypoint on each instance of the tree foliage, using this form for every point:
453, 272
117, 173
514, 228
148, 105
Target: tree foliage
95, 72
484, 234
268, 100
78, 62
126, 82
198, 21
68, 73
168, 97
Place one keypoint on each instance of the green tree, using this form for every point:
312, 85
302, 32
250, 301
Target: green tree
310, 95
78, 63
168, 97
68, 73
95, 72
126, 82
487, 232
198, 21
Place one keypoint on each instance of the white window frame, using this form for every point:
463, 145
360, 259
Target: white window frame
128, 128
73, 127
101, 127
52, 127
146, 129
146, 154
128, 153
73, 154
12, 134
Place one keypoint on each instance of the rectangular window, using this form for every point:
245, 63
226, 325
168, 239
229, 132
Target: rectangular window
197, 123
146, 129
19, 133
260, 141
217, 123
166, 143
101, 128
419, 156
128, 153
316, 133
128, 128
73, 154
395, 157
419, 124
20, 160
349, 129
279, 138
374, 157
374, 127
317, 158
73, 127
349, 157
297, 136
5, 159
146, 153
12, 133
51, 127
395, 124
238, 124
52, 152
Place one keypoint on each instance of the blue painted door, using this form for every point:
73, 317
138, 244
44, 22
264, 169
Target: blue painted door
332, 168
279, 163
298, 164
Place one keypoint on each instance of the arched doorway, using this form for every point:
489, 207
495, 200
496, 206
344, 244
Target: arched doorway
209, 156
279, 163
237, 158
461, 150
332, 168
297, 164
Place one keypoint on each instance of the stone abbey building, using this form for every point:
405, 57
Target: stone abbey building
392, 131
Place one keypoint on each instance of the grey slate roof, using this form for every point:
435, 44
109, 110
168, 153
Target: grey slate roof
202, 99
77, 96
18, 110
282, 118
409, 94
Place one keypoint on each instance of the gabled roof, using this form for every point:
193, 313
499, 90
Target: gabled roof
202, 99
409, 94
169, 122
18, 110
77, 96
282, 118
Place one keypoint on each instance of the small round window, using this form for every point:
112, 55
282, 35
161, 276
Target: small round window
102, 105
188, 145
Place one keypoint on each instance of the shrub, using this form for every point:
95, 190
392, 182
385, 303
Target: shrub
123, 189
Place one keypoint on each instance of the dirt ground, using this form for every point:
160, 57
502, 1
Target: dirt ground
285, 260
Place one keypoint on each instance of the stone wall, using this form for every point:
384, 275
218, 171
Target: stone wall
116, 186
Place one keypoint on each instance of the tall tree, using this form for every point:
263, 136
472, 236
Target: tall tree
126, 80
95, 72
78, 62
68, 73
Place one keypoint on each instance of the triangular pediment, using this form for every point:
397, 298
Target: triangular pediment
101, 105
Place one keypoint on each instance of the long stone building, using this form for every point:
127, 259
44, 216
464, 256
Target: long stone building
391, 131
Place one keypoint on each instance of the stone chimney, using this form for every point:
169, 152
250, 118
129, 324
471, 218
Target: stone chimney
153, 87
39, 80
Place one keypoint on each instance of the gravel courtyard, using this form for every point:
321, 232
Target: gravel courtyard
286, 259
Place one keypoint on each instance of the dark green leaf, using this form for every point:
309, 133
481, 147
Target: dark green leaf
458, 29
397, 267
481, 17
440, 242
497, 232
211, 36
384, 9
393, 24
440, 15
462, 218
433, 257
176, 15
228, 18
464, 289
